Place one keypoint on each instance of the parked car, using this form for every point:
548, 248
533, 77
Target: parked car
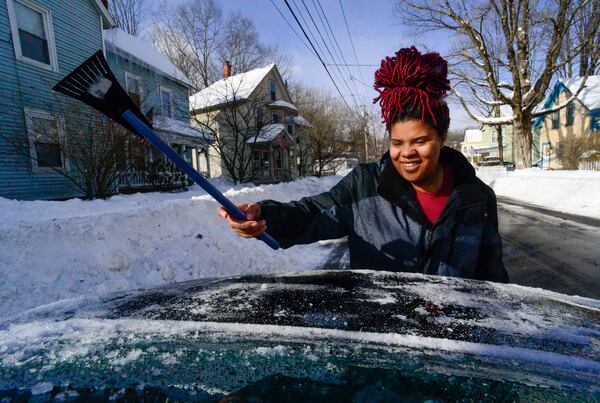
309, 336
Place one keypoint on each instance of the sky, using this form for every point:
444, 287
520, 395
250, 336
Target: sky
375, 32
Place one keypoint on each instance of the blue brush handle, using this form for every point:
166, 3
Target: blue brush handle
171, 154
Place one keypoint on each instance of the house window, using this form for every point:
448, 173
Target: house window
272, 90
133, 86
556, 120
290, 126
44, 136
33, 37
494, 135
558, 151
166, 104
570, 114
266, 168
275, 118
259, 118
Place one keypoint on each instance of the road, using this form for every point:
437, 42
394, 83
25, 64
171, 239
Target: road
542, 248
550, 250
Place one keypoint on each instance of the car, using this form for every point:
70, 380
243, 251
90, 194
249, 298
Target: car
331, 335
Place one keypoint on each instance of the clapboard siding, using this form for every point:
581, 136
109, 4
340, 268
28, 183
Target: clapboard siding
78, 34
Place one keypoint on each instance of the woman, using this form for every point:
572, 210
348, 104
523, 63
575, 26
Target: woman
419, 209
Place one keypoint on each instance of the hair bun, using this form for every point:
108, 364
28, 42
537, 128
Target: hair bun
411, 80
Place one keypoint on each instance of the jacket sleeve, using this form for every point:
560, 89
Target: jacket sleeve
489, 265
310, 219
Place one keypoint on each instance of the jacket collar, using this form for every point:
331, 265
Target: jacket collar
397, 190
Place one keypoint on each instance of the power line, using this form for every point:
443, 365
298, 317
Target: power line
355, 65
329, 51
351, 41
314, 38
290, 25
317, 54
341, 53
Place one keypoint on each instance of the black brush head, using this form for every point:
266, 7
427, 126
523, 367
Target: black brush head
95, 85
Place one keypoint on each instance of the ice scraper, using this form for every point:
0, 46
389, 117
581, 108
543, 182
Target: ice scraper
95, 85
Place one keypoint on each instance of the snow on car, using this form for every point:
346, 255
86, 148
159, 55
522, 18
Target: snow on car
318, 335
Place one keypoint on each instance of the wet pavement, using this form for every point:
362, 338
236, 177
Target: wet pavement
542, 248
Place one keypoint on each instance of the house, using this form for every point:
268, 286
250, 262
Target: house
572, 132
162, 93
258, 128
39, 46
471, 143
489, 146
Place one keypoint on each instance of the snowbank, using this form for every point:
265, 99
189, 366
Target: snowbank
575, 192
56, 250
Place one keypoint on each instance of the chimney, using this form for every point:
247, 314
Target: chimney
226, 70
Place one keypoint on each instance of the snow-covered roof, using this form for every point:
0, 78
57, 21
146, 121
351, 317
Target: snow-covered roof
299, 120
473, 136
590, 94
268, 133
144, 52
283, 104
177, 127
238, 87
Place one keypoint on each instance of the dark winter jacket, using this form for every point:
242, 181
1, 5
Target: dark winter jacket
387, 229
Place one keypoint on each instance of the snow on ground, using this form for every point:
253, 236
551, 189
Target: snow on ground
55, 250
575, 192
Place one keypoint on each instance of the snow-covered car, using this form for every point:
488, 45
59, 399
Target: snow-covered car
315, 336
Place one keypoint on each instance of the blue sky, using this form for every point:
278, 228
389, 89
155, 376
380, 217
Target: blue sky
375, 31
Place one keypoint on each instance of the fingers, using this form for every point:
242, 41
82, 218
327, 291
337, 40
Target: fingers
246, 229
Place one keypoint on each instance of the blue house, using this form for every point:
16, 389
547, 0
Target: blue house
44, 40
162, 93
40, 42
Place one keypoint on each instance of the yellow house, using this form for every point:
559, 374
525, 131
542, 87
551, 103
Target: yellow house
256, 125
570, 134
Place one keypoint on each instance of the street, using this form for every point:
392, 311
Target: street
542, 248
550, 250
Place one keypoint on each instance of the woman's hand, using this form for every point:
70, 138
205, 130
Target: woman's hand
246, 229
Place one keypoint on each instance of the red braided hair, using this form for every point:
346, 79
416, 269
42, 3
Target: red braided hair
412, 83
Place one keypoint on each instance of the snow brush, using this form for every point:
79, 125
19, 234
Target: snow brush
94, 84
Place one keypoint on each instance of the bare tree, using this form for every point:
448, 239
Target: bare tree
332, 135
578, 35
507, 53
190, 35
129, 14
198, 39
87, 149
236, 127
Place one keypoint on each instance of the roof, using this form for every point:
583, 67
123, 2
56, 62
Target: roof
238, 87
268, 133
108, 20
177, 127
299, 120
590, 94
283, 104
473, 136
145, 53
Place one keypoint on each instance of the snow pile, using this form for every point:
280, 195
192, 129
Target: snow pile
575, 192
56, 250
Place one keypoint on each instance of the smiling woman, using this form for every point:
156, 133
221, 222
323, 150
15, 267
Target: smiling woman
419, 209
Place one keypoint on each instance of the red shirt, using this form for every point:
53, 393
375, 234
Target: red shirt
432, 204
